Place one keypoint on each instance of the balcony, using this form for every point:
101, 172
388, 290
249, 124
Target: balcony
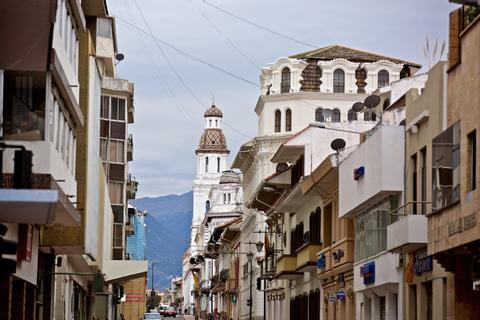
286, 268
373, 171
307, 257
130, 148
342, 255
45, 203
132, 187
408, 233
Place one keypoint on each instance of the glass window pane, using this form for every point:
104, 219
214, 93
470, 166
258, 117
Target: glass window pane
114, 109
104, 107
121, 109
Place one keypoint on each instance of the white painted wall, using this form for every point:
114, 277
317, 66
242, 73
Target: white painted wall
386, 271
382, 155
408, 229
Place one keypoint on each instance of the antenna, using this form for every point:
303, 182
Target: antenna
338, 144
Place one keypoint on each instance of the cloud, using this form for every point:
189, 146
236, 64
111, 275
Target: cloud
166, 135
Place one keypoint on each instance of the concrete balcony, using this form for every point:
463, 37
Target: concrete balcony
130, 148
286, 268
408, 233
132, 187
342, 255
307, 257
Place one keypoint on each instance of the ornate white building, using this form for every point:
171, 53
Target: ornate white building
212, 153
318, 86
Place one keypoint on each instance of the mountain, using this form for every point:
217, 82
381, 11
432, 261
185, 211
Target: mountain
168, 234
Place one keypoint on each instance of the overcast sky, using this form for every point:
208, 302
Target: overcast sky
168, 127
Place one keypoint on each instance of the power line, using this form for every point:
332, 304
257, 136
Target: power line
186, 86
234, 46
259, 26
164, 82
184, 53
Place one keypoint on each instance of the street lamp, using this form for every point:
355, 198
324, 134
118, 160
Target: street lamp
249, 302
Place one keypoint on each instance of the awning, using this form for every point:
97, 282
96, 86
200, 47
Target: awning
123, 270
324, 177
270, 190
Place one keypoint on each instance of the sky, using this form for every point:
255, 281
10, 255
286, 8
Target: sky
169, 112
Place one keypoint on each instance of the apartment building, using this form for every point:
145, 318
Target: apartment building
59, 213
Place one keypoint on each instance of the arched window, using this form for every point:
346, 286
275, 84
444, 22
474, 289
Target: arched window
218, 164
288, 120
319, 115
210, 123
352, 115
216, 123
285, 86
206, 164
339, 81
207, 205
278, 120
383, 78
336, 115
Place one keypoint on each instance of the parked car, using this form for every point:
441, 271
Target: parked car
162, 309
170, 312
152, 316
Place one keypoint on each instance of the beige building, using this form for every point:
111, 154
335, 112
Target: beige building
424, 281
453, 228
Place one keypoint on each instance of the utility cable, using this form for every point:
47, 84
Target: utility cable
259, 26
186, 86
164, 82
186, 54
219, 31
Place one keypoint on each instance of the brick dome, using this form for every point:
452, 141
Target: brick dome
213, 141
213, 111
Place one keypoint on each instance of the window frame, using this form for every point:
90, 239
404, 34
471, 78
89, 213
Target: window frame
386, 79
286, 80
338, 83
288, 120
277, 125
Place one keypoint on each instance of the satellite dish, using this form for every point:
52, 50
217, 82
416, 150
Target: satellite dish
338, 144
358, 106
372, 101
119, 56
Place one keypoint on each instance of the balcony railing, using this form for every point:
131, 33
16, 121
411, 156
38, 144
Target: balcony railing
409, 231
306, 257
132, 187
287, 268
130, 148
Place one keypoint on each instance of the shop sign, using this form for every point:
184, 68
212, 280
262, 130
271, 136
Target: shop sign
422, 263
322, 261
332, 297
358, 173
462, 224
367, 271
341, 294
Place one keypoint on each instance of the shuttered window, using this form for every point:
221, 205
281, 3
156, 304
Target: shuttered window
382, 308
428, 289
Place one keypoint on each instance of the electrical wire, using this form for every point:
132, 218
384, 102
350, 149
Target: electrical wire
185, 85
184, 53
177, 103
259, 26
219, 31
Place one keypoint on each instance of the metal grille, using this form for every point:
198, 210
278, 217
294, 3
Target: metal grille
428, 289
382, 308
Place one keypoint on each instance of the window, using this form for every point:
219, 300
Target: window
285, 86
104, 149
352, 115
24, 105
288, 120
429, 294
371, 228
117, 235
339, 81
315, 226
218, 164
319, 115
278, 120
210, 123
115, 190
224, 198
104, 107
229, 196
382, 308
117, 151
336, 115
117, 108
472, 160
445, 164
383, 78
104, 27
207, 205
423, 190
206, 164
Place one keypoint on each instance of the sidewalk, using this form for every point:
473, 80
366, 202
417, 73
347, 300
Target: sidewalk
188, 317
